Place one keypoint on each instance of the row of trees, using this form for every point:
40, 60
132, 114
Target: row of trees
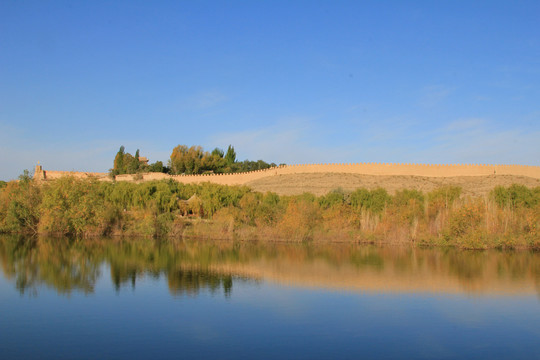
194, 160
187, 160
125, 163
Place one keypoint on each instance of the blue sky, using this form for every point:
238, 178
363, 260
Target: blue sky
284, 81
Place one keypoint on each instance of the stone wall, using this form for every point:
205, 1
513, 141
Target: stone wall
357, 168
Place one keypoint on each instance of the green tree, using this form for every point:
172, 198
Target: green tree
125, 163
177, 159
230, 157
218, 152
156, 167
131, 164
119, 167
186, 160
137, 161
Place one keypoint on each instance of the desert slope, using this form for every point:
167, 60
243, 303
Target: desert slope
321, 183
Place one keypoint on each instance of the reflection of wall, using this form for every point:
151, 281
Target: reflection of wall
390, 279
361, 168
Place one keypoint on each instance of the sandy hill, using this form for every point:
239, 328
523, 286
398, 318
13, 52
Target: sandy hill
321, 178
321, 183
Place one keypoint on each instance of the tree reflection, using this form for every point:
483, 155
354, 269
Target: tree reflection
192, 266
191, 281
34, 262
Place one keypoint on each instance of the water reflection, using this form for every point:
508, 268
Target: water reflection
191, 266
188, 282
57, 264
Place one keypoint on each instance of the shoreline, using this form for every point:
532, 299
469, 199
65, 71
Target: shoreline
494, 243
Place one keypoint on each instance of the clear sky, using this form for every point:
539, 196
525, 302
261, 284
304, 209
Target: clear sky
283, 81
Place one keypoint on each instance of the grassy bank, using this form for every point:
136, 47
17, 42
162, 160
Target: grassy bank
509, 217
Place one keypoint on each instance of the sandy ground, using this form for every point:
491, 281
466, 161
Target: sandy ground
320, 184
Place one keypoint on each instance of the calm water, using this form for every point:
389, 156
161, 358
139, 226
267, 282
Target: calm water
62, 299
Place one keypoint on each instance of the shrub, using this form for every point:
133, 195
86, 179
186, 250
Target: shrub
249, 204
443, 197
516, 196
300, 220
408, 204
269, 210
215, 197
19, 206
374, 200
332, 199
467, 218
71, 206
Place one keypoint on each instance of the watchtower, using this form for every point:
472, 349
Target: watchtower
39, 174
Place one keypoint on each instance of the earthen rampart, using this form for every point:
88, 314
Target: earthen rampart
41, 174
426, 170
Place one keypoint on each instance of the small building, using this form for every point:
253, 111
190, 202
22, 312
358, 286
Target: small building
143, 160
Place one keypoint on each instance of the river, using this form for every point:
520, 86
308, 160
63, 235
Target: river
128, 299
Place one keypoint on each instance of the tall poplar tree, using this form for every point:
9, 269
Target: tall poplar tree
230, 157
119, 167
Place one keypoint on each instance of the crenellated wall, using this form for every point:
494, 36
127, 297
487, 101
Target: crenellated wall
426, 170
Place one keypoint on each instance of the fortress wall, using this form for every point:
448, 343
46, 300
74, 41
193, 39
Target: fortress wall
52, 175
155, 176
426, 170
143, 177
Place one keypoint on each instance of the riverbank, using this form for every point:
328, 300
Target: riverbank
507, 217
